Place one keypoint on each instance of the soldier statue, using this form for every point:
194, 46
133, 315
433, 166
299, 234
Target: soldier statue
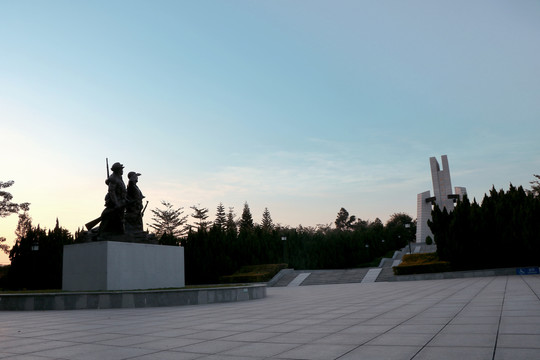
112, 218
122, 218
134, 208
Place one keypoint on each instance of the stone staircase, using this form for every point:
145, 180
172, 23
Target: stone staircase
384, 272
341, 276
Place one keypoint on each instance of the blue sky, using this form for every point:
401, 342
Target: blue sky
303, 107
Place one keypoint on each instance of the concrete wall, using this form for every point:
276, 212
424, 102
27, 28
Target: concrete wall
129, 299
423, 214
111, 265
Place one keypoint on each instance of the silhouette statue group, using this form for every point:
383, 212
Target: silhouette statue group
122, 218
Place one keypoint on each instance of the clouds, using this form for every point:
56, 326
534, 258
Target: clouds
302, 107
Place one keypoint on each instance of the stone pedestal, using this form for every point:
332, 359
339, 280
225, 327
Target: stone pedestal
112, 265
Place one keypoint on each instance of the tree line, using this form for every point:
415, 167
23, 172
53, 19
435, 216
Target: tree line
36, 257
215, 248
502, 231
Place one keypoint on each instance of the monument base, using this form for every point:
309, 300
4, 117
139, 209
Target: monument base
113, 265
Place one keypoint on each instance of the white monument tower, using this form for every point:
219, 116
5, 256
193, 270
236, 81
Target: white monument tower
443, 196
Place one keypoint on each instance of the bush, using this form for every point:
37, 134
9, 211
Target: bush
253, 273
421, 264
429, 240
502, 231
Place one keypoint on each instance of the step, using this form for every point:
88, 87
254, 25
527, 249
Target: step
299, 279
371, 275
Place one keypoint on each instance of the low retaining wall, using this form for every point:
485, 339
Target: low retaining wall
130, 299
457, 274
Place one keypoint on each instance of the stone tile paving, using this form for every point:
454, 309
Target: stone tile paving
491, 318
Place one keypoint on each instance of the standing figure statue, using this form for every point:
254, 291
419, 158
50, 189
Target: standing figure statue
134, 208
112, 218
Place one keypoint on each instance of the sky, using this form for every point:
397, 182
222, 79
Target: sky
301, 106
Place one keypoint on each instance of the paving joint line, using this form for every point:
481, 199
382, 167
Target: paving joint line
364, 320
449, 321
500, 319
529, 286
427, 307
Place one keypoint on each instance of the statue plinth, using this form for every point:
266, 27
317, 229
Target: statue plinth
119, 255
117, 265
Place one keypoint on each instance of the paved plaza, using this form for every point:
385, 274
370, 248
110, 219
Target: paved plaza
474, 318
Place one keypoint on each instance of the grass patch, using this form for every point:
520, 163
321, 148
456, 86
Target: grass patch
421, 264
253, 273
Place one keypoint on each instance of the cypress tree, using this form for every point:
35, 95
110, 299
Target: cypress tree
267, 224
246, 221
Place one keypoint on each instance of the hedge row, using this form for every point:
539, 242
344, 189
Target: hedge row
421, 264
255, 273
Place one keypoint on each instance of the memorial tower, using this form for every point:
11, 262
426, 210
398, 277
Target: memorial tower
443, 197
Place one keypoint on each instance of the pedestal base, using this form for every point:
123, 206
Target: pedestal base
112, 265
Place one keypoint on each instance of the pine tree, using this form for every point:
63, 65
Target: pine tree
7, 207
200, 215
221, 217
267, 224
168, 221
246, 222
230, 225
